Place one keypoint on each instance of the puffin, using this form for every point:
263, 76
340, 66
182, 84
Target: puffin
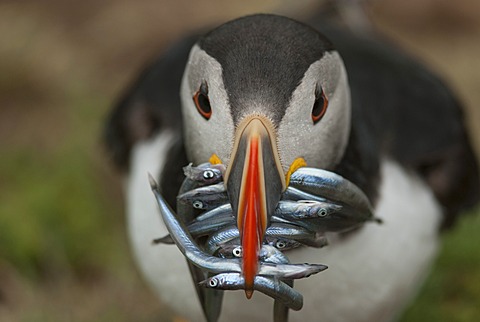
286, 90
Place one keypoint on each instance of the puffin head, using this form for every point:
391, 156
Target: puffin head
265, 95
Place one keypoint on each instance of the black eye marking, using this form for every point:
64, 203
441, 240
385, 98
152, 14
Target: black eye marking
202, 102
320, 105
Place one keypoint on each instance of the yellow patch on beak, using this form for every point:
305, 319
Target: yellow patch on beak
214, 159
296, 164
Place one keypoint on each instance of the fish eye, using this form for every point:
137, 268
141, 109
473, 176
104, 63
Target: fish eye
319, 106
237, 251
202, 102
197, 204
208, 174
322, 212
213, 282
280, 244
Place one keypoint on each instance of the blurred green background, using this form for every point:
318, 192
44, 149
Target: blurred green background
64, 255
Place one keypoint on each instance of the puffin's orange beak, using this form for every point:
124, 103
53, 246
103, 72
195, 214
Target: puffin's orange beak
254, 181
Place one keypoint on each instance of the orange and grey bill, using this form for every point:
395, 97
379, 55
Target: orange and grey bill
252, 217
255, 163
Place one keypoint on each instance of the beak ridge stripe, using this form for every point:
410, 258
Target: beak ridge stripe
252, 214
255, 161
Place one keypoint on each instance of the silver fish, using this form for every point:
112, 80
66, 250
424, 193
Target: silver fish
281, 243
186, 211
295, 194
341, 221
270, 254
185, 242
226, 249
205, 173
304, 209
204, 224
275, 230
347, 218
230, 250
205, 198
290, 271
220, 238
271, 287
218, 211
194, 254
208, 226
331, 186
302, 232
222, 242
289, 231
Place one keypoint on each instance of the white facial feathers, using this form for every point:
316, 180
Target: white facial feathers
322, 145
205, 137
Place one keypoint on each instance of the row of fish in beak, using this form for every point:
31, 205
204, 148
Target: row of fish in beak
204, 227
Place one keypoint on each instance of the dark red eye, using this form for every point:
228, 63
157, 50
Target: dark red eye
320, 106
202, 102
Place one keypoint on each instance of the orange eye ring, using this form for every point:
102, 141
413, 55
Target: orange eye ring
202, 102
319, 107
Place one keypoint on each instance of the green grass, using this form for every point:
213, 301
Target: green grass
55, 215
452, 291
